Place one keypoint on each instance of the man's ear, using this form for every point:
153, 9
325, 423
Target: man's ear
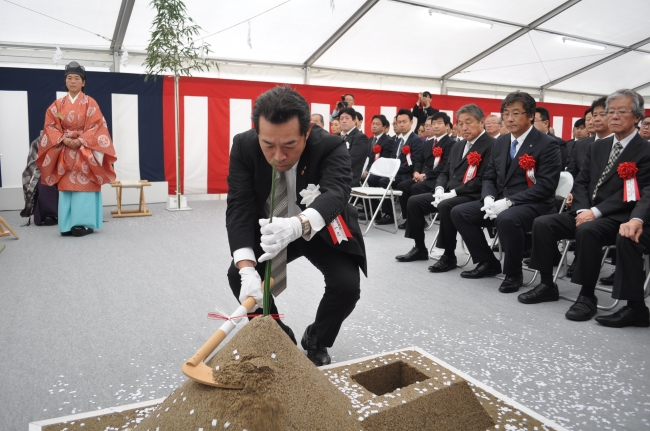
308, 131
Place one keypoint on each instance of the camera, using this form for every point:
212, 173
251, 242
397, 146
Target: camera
342, 104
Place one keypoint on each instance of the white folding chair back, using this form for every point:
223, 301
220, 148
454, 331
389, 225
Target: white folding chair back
565, 185
365, 165
385, 167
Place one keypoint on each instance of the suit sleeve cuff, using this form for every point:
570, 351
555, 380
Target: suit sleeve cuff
245, 253
315, 220
596, 212
453, 193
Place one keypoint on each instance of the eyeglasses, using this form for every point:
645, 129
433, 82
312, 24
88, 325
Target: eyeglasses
515, 114
645, 124
618, 113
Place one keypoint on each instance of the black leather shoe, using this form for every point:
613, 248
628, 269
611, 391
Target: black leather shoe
526, 254
571, 268
512, 283
583, 309
50, 221
80, 231
526, 261
540, 293
414, 254
316, 353
402, 225
288, 331
609, 280
68, 233
387, 219
444, 264
483, 269
626, 316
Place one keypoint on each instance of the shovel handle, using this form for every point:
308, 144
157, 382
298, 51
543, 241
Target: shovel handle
208, 347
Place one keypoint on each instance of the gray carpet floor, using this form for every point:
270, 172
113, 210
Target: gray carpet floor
108, 319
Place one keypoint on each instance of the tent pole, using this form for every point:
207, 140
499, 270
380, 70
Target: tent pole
307, 77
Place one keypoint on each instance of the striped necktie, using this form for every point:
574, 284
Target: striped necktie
618, 147
399, 147
279, 262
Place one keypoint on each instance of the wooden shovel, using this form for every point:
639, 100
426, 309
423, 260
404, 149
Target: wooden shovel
196, 369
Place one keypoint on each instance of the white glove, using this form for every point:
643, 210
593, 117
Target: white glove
439, 192
277, 235
487, 207
251, 285
451, 194
499, 206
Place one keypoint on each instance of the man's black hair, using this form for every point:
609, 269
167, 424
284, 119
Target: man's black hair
426, 94
383, 119
441, 116
589, 110
543, 113
580, 122
359, 116
599, 103
520, 96
279, 105
405, 111
350, 111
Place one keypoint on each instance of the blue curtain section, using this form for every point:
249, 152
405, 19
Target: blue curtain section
41, 86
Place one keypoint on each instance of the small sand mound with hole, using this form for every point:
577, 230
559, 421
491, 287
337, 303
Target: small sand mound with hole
282, 391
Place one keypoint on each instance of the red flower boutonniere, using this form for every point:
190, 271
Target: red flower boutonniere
627, 171
473, 160
527, 163
406, 150
377, 150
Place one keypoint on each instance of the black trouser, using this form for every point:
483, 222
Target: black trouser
375, 181
411, 188
342, 281
630, 277
590, 238
420, 205
512, 225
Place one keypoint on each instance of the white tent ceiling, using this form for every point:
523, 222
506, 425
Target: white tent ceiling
513, 44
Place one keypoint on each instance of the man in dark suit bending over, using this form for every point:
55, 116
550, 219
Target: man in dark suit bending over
602, 201
519, 186
459, 182
320, 226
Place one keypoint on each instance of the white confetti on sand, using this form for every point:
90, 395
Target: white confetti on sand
214, 422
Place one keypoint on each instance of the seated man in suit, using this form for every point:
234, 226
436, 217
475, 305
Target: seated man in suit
435, 153
543, 124
604, 195
302, 155
644, 128
408, 149
381, 145
493, 125
632, 241
579, 132
459, 182
519, 186
356, 142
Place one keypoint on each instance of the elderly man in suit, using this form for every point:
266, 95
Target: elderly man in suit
604, 195
493, 125
518, 187
632, 241
435, 154
408, 149
459, 182
356, 142
305, 223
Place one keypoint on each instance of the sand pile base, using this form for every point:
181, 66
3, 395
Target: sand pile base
283, 390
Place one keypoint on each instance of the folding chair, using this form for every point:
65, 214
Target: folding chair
382, 167
564, 187
435, 239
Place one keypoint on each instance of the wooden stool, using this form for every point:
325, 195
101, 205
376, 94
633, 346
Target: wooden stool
4, 225
142, 208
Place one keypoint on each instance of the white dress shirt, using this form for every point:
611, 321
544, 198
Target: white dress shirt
315, 219
520, 139
468, 145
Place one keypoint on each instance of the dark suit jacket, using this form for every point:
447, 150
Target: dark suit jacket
387, 148
499, 182
446, 143
642, 208
405, 171
564, 152
609, 197
358, 145
569, 147
325, 162
421, 114
578, 154
452, 176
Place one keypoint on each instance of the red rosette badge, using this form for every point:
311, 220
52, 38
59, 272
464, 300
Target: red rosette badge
377, 150
437, 153
406, 150
527, 163
627, 171
473, 160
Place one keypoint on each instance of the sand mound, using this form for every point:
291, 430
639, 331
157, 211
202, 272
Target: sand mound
283, 390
